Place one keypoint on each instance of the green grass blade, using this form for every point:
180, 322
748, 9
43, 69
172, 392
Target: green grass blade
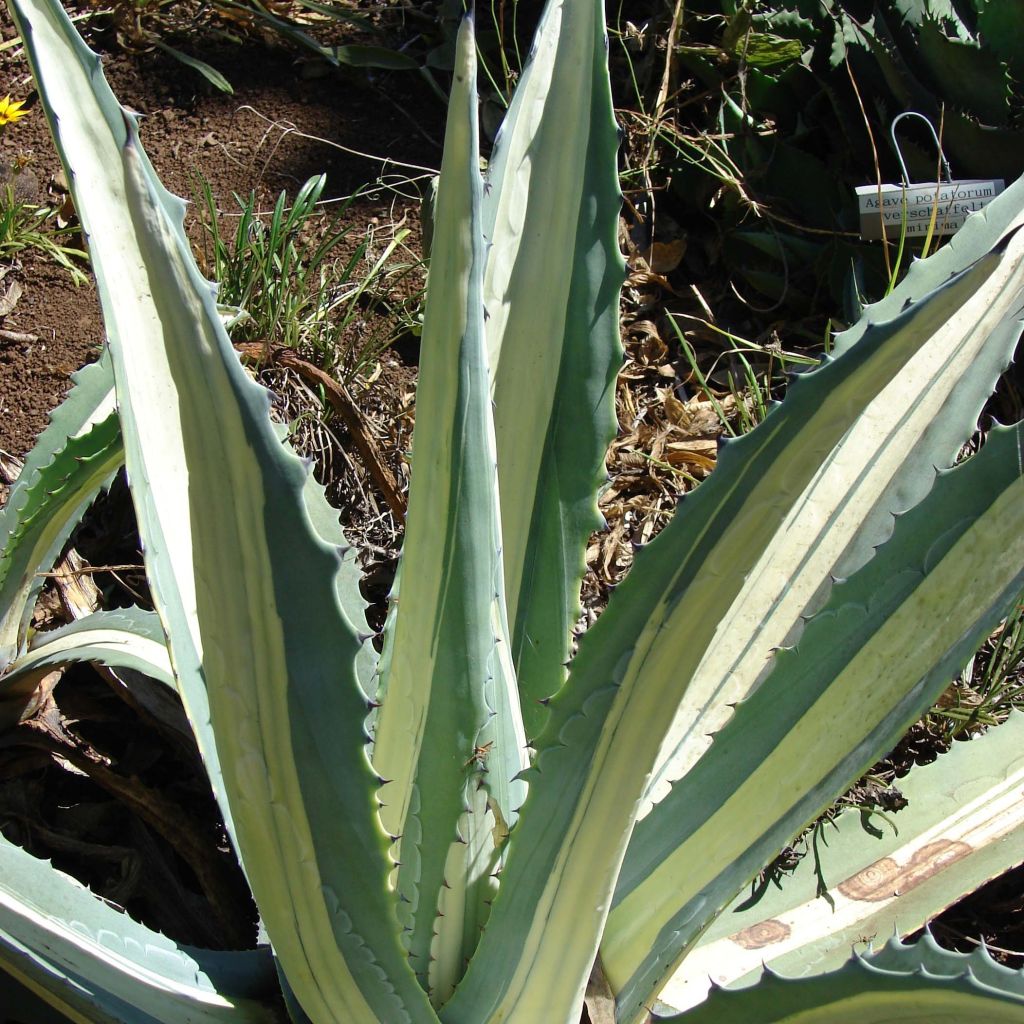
241, 583
551, 291
211, 74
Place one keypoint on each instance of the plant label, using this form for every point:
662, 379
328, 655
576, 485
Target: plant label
888, 207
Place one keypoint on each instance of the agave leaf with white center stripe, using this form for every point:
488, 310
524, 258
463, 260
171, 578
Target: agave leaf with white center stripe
808, 732
449, 723
639, 659
919, 421
243, 582
73, 459
551, 290
96, 965
963, 825
920, 984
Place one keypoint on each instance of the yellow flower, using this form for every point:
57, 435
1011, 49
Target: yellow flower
10, 110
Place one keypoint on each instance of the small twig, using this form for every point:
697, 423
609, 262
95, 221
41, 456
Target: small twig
290, 129
67, 571
797, 226
343, 405
83, 570
977, 942
878, 166
18, 336
127, 586
666, 76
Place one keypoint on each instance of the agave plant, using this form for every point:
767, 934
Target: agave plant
459, 830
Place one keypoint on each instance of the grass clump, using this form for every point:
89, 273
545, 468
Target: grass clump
24, 225
300, 282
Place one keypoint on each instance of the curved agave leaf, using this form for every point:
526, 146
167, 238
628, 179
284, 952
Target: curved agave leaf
130, 638
808, 732
551, 290
448, 737
915, 422
640, 658
73, 459
89, 401
920, 984
983, 232
96, 965
241, 582
963, 826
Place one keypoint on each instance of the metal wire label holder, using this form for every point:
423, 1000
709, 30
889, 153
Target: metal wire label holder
910, 207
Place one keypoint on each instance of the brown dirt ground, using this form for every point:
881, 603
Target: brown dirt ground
260, 139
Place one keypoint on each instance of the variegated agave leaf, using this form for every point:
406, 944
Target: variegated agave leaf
921, 984
868, 665
551, 291
914, 422
241, 582
963, 825
94, 964
256, 591
449, 738
74, 458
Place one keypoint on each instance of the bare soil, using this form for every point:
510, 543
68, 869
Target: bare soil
263, 139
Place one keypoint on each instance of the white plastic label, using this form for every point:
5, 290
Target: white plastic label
890, 205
